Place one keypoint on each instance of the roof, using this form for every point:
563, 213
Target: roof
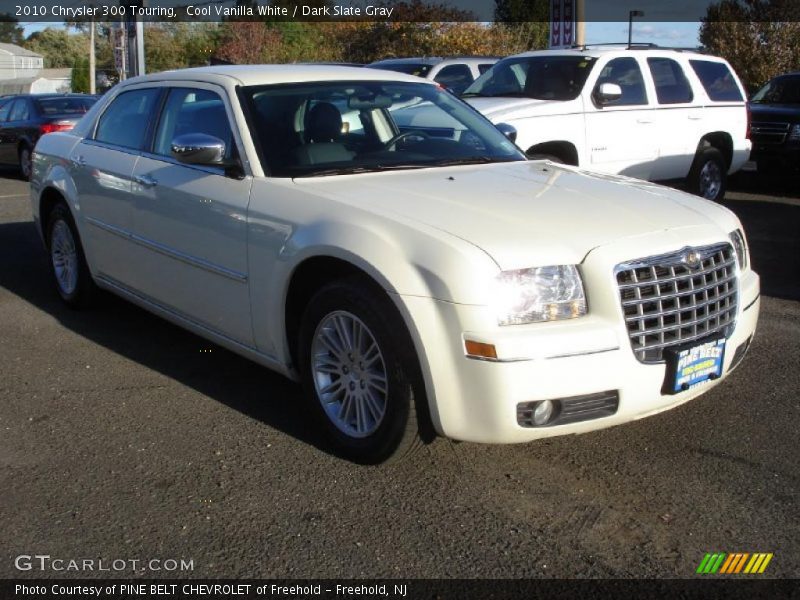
17, 50
620, 49
274, 74
429, 60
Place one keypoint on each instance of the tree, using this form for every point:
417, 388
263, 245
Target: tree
80, 76
527, 21
758, 37
10, 31
58, 47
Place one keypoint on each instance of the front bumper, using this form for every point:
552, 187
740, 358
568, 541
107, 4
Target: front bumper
475, 400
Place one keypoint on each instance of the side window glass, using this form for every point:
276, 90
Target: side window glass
484, 67
625, 72
125, 121
454, 77
5, 107
672, 87
19, 112
717, 80
193, 111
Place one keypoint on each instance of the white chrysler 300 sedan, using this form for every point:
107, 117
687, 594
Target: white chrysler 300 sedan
373, 237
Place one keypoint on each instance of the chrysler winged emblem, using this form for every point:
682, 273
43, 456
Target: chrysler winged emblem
692, 259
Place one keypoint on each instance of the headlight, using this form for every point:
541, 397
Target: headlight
538, 294
737, 239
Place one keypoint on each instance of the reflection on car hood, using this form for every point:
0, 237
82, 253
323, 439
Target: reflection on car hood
507, 108
524, 213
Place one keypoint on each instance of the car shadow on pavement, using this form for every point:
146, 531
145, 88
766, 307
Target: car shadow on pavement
157, 344
773, 233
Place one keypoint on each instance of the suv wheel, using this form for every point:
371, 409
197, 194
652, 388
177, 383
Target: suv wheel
709, 175
358, 372
68, 265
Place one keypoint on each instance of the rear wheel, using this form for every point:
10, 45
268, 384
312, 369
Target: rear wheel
359, 372
68, 265
709, 175
25, 163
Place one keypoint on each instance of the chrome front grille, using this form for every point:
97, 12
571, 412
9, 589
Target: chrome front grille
672, 299
763, 132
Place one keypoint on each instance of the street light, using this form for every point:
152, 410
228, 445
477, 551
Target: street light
631, 14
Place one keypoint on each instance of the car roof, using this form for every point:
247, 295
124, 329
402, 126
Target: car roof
431, 60
274, 74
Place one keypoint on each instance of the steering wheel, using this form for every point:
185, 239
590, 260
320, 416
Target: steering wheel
406, 134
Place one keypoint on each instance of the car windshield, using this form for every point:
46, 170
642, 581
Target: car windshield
331, 128
785, 90
409, 68
64, 106
550, 77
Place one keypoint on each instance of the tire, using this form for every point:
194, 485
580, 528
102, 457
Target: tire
25, 164
708, 177
68, 266
366, 397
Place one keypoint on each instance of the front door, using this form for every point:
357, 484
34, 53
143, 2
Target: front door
190, 221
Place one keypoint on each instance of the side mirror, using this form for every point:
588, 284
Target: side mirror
607, 92
508, 130
198, 149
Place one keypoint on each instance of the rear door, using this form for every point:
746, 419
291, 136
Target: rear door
102, 167
14, 128
678, 119
191, 221
5, 109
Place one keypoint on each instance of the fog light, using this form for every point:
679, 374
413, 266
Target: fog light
543, 412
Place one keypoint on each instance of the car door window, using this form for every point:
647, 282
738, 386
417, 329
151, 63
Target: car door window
482, 68
454, 77
5, 108
125, 122
672, 87
193, 111
20, 111
625, 73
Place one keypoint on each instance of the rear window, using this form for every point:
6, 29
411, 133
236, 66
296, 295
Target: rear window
672, 87
718, 81
64, 106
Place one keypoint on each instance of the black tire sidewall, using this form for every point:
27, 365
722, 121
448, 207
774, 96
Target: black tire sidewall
85, 287
22, 150
377, 314
709, 154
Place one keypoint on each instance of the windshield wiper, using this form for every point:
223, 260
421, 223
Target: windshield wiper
472, 160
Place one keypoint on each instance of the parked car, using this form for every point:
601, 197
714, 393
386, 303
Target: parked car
23, 118
775, 124
454, 73
646, 112
417, 281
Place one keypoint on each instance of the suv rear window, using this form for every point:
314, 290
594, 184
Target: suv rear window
717, 80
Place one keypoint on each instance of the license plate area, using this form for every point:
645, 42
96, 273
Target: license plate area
691, 365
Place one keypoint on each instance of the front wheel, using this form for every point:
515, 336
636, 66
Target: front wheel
68, 265
359, 372
709, 175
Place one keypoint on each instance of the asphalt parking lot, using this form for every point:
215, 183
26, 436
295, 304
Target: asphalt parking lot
124, 437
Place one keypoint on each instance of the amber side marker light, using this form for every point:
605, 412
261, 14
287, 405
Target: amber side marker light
480, 350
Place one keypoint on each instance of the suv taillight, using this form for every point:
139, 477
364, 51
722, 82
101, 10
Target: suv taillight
57, 126
747, 131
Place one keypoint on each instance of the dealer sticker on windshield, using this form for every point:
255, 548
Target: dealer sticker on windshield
690, 366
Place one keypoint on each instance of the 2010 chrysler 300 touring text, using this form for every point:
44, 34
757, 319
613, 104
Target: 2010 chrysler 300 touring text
375, 238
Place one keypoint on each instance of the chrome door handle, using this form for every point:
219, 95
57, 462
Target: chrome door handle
644, 121
695, 117
78, 161
145, 180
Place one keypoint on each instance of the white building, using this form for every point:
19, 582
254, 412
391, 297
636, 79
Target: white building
22, 72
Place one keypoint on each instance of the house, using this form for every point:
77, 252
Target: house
22, 72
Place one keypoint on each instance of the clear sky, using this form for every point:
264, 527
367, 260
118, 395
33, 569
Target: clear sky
683, 34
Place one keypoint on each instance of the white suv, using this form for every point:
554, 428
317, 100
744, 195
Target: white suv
650, 113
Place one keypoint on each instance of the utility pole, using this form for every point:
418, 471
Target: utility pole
580, 22
92, 82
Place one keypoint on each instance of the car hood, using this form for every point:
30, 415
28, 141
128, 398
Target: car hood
524, 214
506, 108
765, 112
